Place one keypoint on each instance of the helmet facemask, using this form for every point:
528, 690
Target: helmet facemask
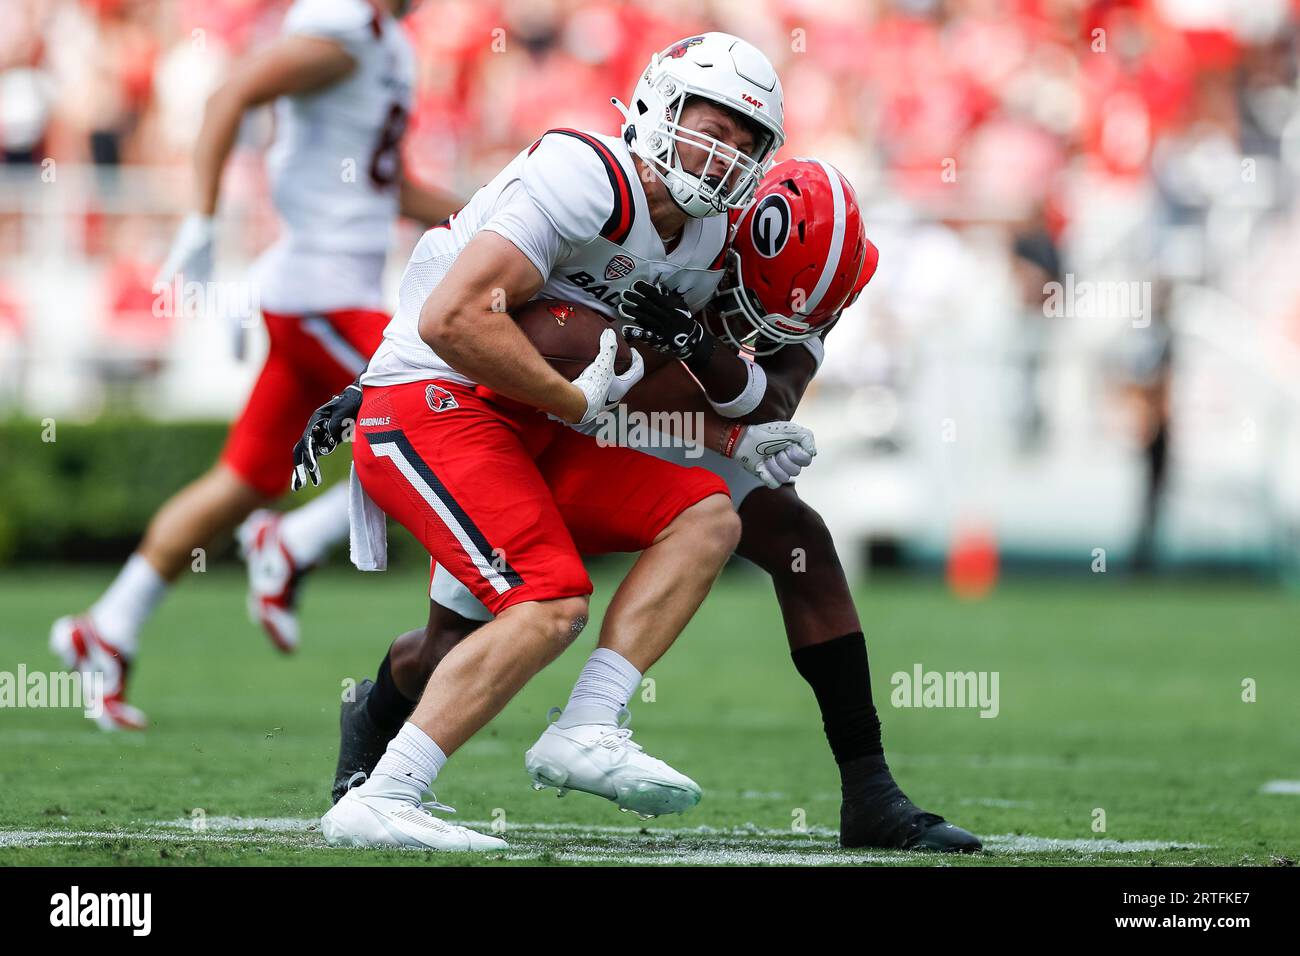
745, 321
653, 130
707, 193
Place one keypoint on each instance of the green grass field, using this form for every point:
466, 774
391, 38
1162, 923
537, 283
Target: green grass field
1114, 696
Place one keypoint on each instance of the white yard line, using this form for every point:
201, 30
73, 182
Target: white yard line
995, 802
1291, 787
1017, 843
574, 843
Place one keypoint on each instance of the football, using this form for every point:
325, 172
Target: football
568, 335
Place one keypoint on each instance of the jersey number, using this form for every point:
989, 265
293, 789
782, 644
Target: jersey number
386, 161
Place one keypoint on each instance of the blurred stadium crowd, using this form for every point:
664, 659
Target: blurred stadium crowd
998, 145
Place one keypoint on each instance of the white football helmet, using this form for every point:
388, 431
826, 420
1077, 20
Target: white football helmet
725, 70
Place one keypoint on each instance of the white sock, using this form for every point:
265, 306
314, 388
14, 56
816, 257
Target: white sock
412, 759
308, 532
604, 687
122, 610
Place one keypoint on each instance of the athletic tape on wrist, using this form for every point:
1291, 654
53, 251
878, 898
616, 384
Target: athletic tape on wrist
750, 396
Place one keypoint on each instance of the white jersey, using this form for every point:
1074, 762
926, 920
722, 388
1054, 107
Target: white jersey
573, 204
335, 168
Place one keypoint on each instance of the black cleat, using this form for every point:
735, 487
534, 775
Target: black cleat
874, 812
361, 744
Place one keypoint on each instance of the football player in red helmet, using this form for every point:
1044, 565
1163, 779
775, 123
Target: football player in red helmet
790, 280
799, 256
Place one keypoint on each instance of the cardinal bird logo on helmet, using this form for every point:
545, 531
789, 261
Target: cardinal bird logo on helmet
678, 49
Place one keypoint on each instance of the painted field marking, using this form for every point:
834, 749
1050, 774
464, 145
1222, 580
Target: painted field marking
1282, 786
575, 843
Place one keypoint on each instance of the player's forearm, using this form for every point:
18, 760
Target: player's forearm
766, 390
426, 205
722, 376
489, 348
221, 119
466, 321
292, 65
778, 405
785, 390
717, 432
671, 389
790, 371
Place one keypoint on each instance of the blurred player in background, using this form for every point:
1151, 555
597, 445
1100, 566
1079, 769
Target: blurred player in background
341, 75
799, 257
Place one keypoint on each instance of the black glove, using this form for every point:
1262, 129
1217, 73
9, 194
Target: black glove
662, 320
323, 433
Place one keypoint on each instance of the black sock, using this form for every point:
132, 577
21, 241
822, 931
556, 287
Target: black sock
840, 678
387, 706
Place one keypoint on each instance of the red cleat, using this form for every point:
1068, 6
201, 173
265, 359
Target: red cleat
272, 579
79, 646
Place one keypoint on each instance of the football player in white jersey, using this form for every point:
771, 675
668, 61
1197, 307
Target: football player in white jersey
800, 255
463, 430
341, 76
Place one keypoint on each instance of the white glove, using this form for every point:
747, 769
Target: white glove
598, 382
774, 452
786, 465
191, 251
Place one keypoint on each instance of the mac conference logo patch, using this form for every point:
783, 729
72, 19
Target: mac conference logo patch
619, 267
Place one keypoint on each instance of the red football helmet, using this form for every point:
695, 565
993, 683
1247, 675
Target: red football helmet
799, 255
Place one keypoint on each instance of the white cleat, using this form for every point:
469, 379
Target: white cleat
76, 642
272, 579
603, 760
391, 820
